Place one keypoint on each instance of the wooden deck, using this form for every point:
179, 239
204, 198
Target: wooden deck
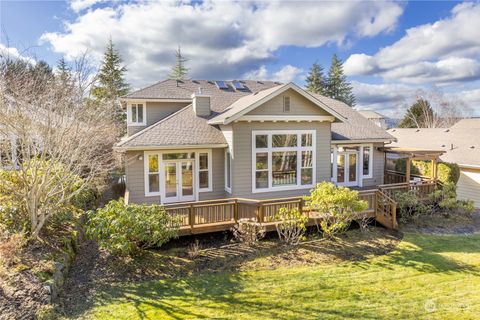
219, 215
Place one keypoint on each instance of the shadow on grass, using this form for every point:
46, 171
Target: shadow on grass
424, 253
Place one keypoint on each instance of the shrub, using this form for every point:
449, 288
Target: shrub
290, 225
126, 229
336, 207
194, 249
248, 231
11, 246
446, 171
445, 200
407, 203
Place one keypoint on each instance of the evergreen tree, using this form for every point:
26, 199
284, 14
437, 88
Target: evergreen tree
63, 71
179, 71
315, 80
111, 82
419, 115
337, 85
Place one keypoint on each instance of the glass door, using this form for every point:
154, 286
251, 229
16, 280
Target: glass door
178, 181
347, 171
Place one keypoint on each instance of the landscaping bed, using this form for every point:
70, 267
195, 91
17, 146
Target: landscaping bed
94, 270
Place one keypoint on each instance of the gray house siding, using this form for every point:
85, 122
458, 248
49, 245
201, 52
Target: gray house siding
299, 105
378, 167
242, 156
135, 178
156, 111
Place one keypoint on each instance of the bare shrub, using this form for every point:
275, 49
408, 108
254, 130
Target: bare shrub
194, 250
11, 246
51, 124
290, 225
248, 231
364, 223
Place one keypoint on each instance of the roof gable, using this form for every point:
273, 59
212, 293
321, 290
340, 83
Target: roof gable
248, 103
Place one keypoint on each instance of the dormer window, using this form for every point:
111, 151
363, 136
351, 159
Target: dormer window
136, 115
286, 104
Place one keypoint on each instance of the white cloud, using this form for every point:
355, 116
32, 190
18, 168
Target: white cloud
445, 51
392, 99
79, 5
221, 39
13, 53
287, 73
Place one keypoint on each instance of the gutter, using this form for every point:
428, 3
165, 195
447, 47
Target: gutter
171, 147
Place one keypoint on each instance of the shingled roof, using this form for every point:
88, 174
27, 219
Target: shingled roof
185, 128
460, 142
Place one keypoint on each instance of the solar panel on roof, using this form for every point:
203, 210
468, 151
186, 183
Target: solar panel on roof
238, 85
221, 85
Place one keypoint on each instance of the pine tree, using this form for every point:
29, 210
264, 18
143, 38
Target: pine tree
419, 115
63, 71
315, 80
179, 71
337, 85
111, 80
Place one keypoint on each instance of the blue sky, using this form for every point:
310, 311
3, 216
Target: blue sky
391, 49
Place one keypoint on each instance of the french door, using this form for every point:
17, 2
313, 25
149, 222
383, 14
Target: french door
347, 169
178, 180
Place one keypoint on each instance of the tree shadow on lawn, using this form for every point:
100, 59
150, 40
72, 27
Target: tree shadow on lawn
424, 253
192, 296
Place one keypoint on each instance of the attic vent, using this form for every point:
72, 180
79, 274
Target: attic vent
260, 82
443, 146
286, 104
276, 82
448, 130
472, 147
418, 130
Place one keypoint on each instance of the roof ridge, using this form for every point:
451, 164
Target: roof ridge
152, 126
158, 82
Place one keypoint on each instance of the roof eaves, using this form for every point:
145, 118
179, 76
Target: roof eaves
121, 143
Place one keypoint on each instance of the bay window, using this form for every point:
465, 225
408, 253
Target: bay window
283, 160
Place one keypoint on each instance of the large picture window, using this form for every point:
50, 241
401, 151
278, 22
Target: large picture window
283, 160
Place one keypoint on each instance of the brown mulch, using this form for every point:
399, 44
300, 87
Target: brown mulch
94, 269
448, 224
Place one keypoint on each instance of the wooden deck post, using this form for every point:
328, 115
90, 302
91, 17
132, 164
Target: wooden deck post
260, 213
191, 216
235, 210
407, 174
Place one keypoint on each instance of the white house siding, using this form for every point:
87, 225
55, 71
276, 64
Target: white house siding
156, 111
468, 186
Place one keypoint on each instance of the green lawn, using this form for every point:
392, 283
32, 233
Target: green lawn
427, 277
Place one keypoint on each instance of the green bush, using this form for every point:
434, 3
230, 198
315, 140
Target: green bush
290, 225
336, 206
444, 200
410, 208
446, 171
126, 229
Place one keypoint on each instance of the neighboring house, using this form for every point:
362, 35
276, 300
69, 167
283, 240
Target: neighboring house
377, 118
200, 140
461, 144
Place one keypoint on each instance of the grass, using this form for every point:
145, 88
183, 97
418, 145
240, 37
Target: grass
426, 276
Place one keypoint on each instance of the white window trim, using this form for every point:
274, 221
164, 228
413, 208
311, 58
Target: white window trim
196, 161
210, 170
129, 114
228, 158
361, 176
270, 149
370, 161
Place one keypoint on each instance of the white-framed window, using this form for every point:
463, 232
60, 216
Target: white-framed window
136, 115
204, 171
283, 160
366, 152
154, 177
228, 171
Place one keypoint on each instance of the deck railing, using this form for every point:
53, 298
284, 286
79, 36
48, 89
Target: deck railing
215, 215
